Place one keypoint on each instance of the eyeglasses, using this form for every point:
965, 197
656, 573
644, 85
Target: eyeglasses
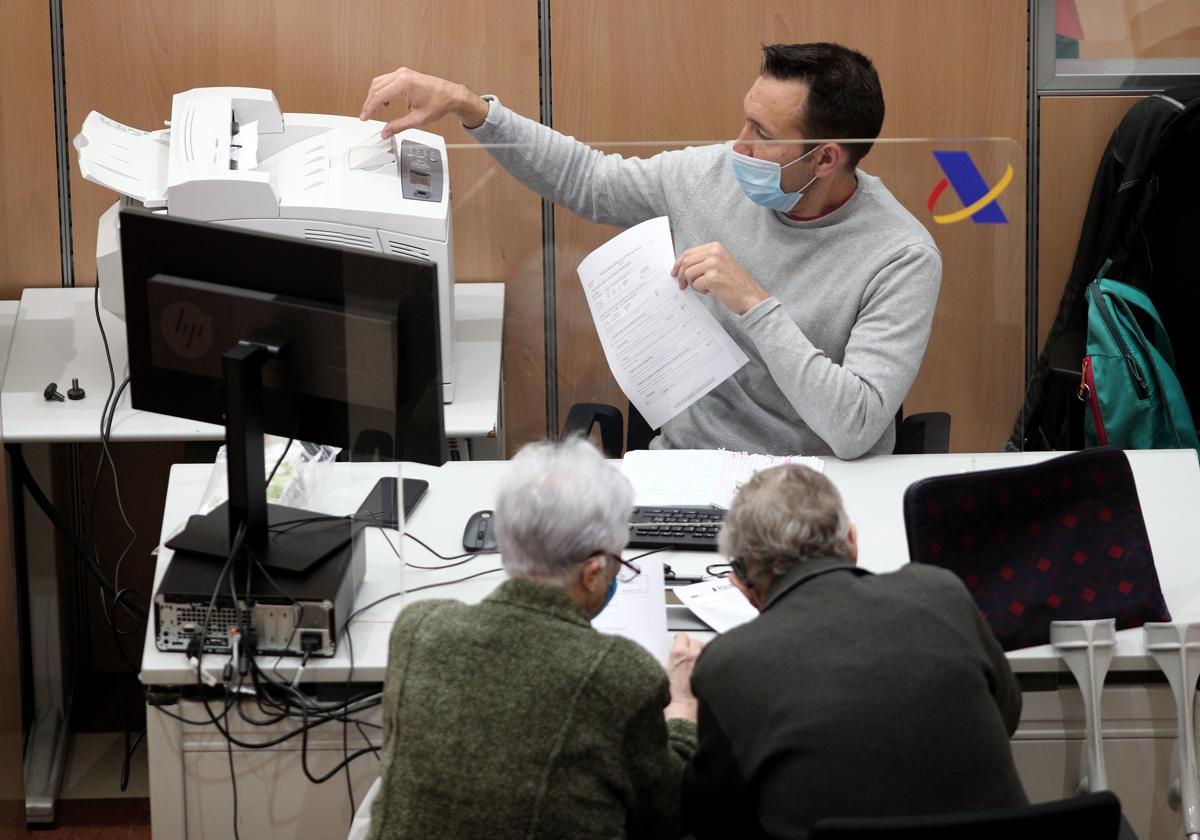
735, 566
627, 572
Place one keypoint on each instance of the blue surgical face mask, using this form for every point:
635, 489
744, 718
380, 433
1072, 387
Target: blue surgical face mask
609, 593
760, 180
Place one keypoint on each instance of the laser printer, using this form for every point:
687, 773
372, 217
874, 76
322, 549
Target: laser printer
229, 155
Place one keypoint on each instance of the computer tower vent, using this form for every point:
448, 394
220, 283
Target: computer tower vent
314, 617
221, 619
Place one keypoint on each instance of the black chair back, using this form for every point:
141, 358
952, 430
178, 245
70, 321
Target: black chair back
1096, 816
928, 432
1062, 539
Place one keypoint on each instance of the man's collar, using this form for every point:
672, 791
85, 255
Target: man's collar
804, 571
831, 208
539, 597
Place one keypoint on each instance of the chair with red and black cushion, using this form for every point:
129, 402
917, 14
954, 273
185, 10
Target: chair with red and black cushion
1062, 539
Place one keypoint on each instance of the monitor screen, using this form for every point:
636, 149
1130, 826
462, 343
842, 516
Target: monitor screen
359, 364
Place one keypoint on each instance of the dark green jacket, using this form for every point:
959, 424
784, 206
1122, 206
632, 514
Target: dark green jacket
514, 718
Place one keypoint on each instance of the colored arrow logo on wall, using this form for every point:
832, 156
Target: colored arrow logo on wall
978, 199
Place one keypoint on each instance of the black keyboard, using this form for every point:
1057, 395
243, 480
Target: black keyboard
686, 528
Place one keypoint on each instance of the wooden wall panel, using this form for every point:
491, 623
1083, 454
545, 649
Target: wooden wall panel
29, 252
1073, 133
949, 69
126, 60
29, 256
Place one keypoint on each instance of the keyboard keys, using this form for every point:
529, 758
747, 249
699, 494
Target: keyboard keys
687, 528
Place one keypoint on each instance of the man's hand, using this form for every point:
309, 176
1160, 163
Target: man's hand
680, 663
709, 269
428, 99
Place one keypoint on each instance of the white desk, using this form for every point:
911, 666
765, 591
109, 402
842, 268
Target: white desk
189, 771
56, 339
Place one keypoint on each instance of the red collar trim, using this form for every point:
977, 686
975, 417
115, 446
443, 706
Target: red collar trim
824, 213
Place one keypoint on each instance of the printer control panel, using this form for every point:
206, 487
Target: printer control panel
422, 171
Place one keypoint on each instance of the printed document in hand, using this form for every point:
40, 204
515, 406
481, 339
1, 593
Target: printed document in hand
664, 348
697, 476
639, 610
717, 602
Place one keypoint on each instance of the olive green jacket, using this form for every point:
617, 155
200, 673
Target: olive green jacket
514, 718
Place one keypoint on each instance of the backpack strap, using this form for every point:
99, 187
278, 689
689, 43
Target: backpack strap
1128, 298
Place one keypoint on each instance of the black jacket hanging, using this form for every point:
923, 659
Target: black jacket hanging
1144, 214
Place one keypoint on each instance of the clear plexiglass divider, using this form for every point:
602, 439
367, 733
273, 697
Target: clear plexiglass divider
856, 281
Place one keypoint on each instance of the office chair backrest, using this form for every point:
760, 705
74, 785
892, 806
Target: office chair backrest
1096, 816
1060, 539
928, 432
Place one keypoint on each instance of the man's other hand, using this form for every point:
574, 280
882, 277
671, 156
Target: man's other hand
428, 99
709, 269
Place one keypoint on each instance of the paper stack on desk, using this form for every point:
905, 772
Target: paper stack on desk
697, 476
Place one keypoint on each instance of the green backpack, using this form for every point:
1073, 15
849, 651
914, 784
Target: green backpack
1133, 397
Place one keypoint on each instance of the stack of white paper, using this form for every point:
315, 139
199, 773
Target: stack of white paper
697, 476
243, 146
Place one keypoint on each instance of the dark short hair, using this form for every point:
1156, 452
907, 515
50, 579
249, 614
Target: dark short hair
844, 95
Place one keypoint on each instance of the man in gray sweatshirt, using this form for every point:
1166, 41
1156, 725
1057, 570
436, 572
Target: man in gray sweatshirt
825, 281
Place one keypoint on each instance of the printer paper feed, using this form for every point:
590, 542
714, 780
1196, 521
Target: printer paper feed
664, 348
243, 147
126, 160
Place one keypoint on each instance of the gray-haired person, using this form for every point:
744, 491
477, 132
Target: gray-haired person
514, 717
851, 694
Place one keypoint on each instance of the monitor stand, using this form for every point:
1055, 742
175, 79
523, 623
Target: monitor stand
277, 537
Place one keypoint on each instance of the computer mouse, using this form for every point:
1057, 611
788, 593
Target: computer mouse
480, 533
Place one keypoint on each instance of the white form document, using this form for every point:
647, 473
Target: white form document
697, 476
717, 602
638, 611
664, 348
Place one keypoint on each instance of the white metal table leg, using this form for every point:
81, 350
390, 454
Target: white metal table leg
1175, 647
1087, 648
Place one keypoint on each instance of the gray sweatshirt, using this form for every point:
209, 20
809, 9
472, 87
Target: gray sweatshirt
835, 348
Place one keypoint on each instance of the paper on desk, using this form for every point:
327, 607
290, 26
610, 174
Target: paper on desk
697, 476
664, 348
717, 602
127, 160
639, 610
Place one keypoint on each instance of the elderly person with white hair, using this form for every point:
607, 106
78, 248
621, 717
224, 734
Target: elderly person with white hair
851, 694
514, 717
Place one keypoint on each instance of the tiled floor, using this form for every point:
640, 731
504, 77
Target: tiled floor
91, 805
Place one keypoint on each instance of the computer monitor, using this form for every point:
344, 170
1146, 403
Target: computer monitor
264, 333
